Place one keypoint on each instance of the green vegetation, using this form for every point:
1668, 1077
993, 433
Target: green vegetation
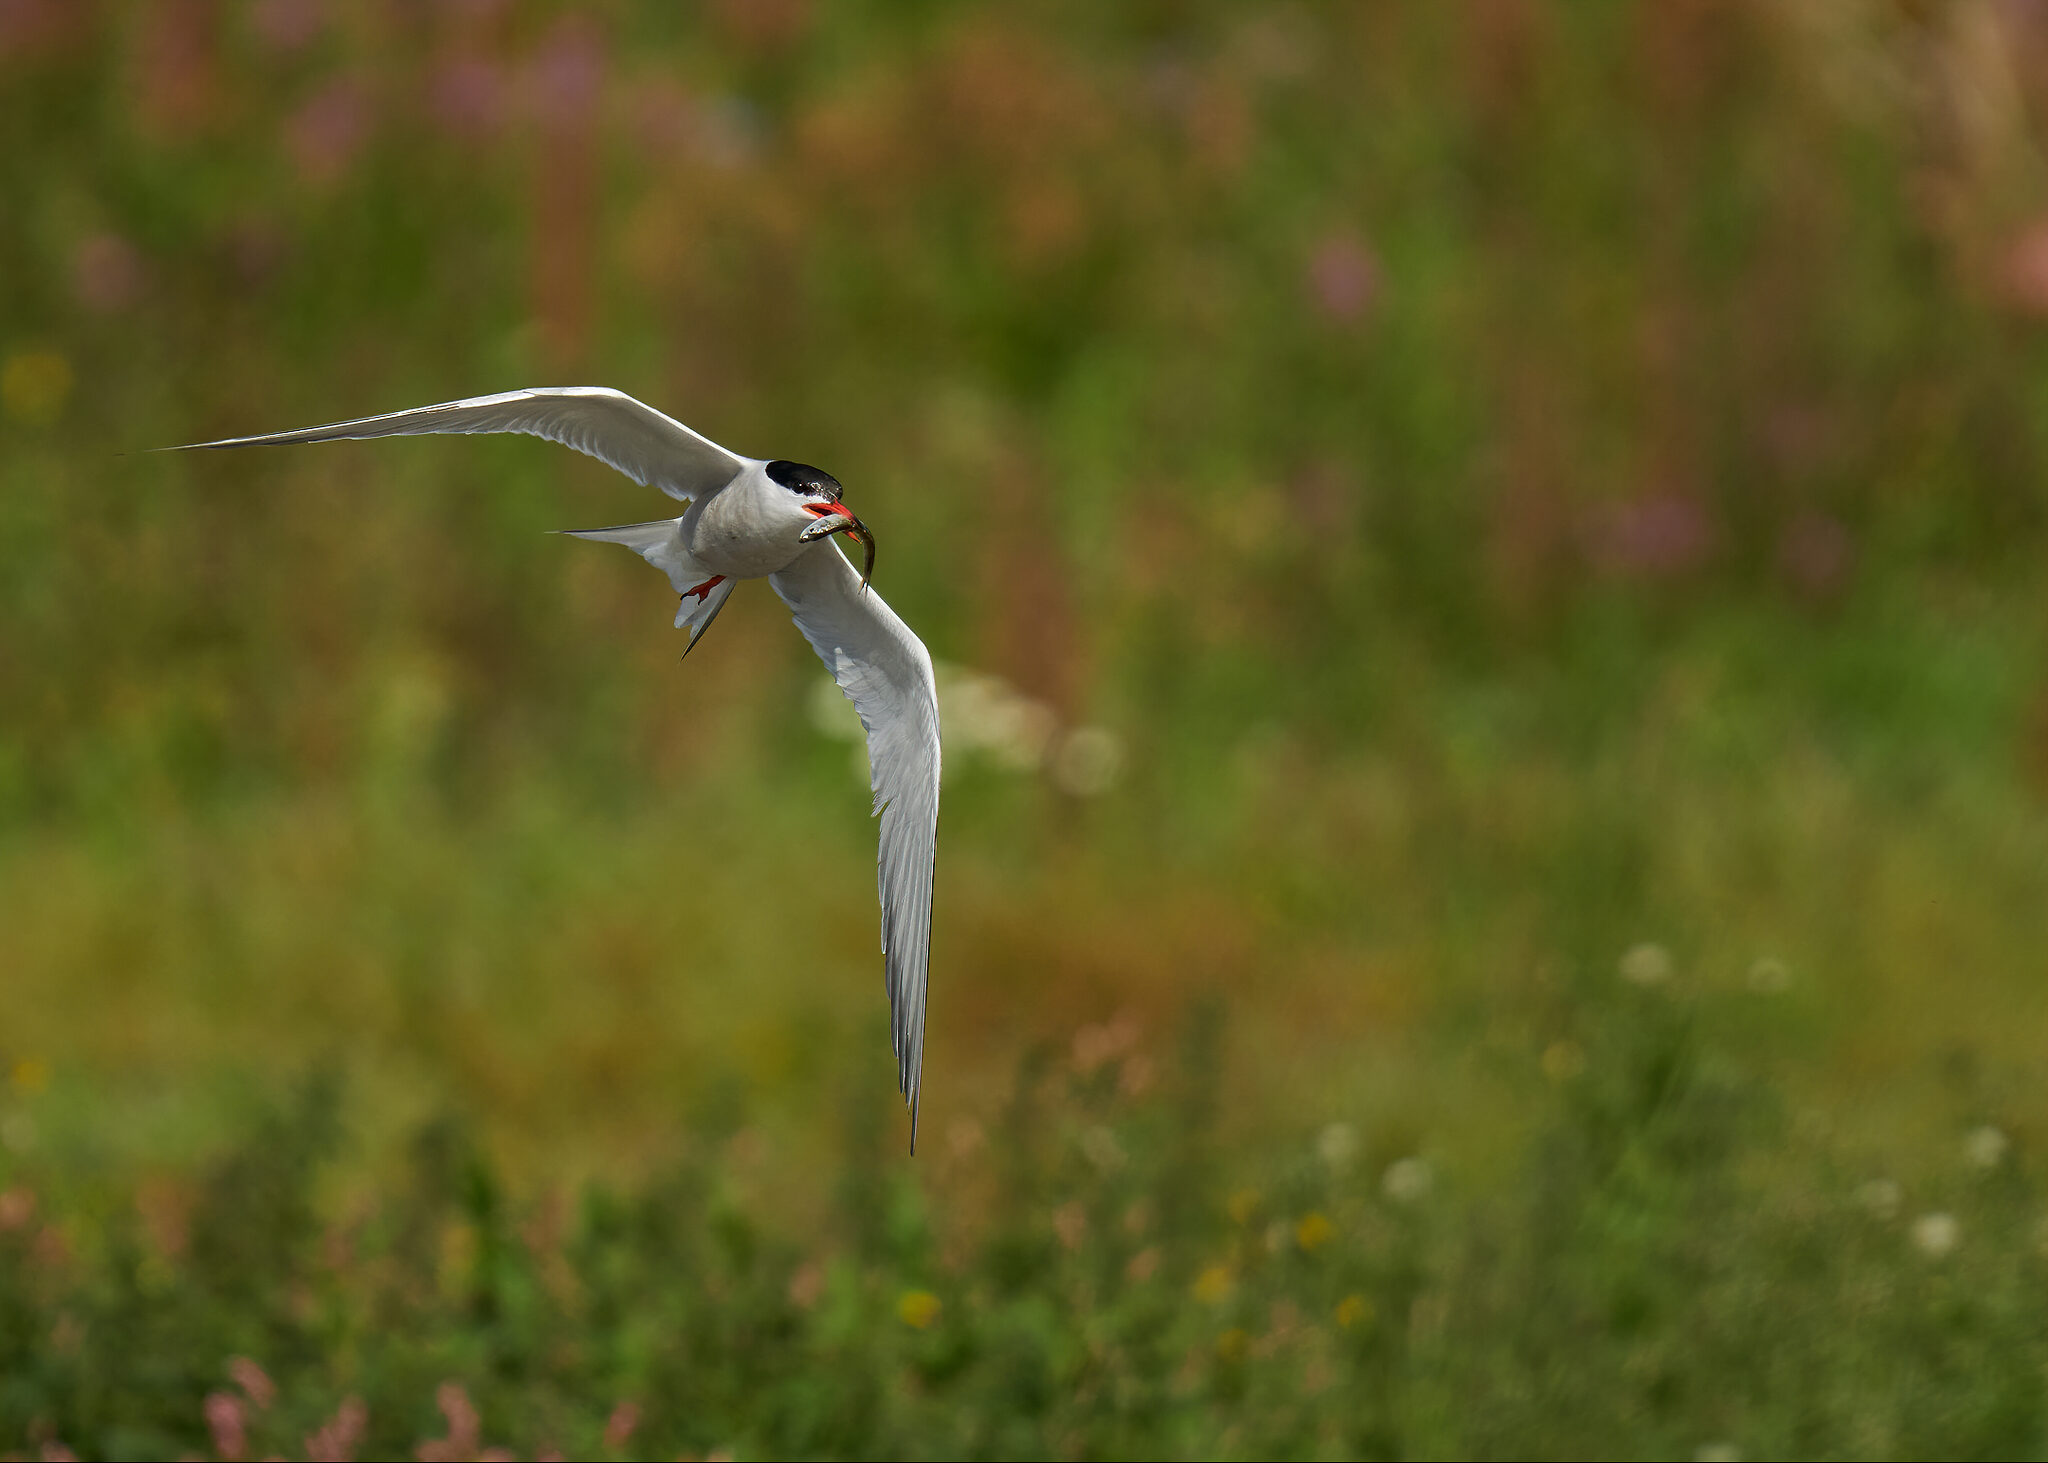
1673, 1262
1494, 877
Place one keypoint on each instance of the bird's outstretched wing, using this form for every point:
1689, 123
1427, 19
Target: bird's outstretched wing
887, 674
650, 448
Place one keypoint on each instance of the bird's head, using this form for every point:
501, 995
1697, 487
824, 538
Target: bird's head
820, 513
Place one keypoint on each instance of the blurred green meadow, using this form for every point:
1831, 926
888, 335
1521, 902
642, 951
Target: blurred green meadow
1488, 568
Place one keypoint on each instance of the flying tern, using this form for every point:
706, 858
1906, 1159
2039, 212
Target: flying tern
751, 519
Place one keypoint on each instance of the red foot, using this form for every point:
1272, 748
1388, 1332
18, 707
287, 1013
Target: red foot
699, 591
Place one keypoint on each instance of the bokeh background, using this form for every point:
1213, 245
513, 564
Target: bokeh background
1493, 893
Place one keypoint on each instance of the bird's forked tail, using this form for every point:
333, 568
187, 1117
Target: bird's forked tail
661, 544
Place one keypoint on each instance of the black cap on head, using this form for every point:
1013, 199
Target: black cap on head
811, 482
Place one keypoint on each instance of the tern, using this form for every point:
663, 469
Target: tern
753, 519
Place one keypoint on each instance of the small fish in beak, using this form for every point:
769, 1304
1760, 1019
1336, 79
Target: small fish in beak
832, 518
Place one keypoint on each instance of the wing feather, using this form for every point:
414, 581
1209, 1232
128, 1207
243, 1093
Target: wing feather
886, 672
651, 448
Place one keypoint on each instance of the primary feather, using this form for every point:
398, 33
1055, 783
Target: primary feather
652, 449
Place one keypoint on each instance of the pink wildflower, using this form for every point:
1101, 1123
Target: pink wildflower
224, 1421
465, 1428
2023, 272
340, 1436
1343, 278
568, 74
1816, 554
287, 25
252, 1379
468, 97
325, 134
106, 273
619, 1427
1658, 535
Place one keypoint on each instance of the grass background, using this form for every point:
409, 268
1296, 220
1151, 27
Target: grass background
1547, 501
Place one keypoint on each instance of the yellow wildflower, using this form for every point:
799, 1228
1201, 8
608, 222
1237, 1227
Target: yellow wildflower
1212, 1284
1314, 1231
1232, 1344
31, 1075
1354, 1311
34, 386
917, 1308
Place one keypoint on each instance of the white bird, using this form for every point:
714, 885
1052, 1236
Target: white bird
748, 519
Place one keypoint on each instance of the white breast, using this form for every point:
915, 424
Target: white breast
746, 530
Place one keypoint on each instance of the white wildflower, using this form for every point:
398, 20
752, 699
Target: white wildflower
1018, 732
1646, 965
1986, 1147
1088, 761
1563, 1060
1880, 1196
831, 714
1338, 1145
1769, 976
1407, 1180
1936, 1234
1102, 1149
